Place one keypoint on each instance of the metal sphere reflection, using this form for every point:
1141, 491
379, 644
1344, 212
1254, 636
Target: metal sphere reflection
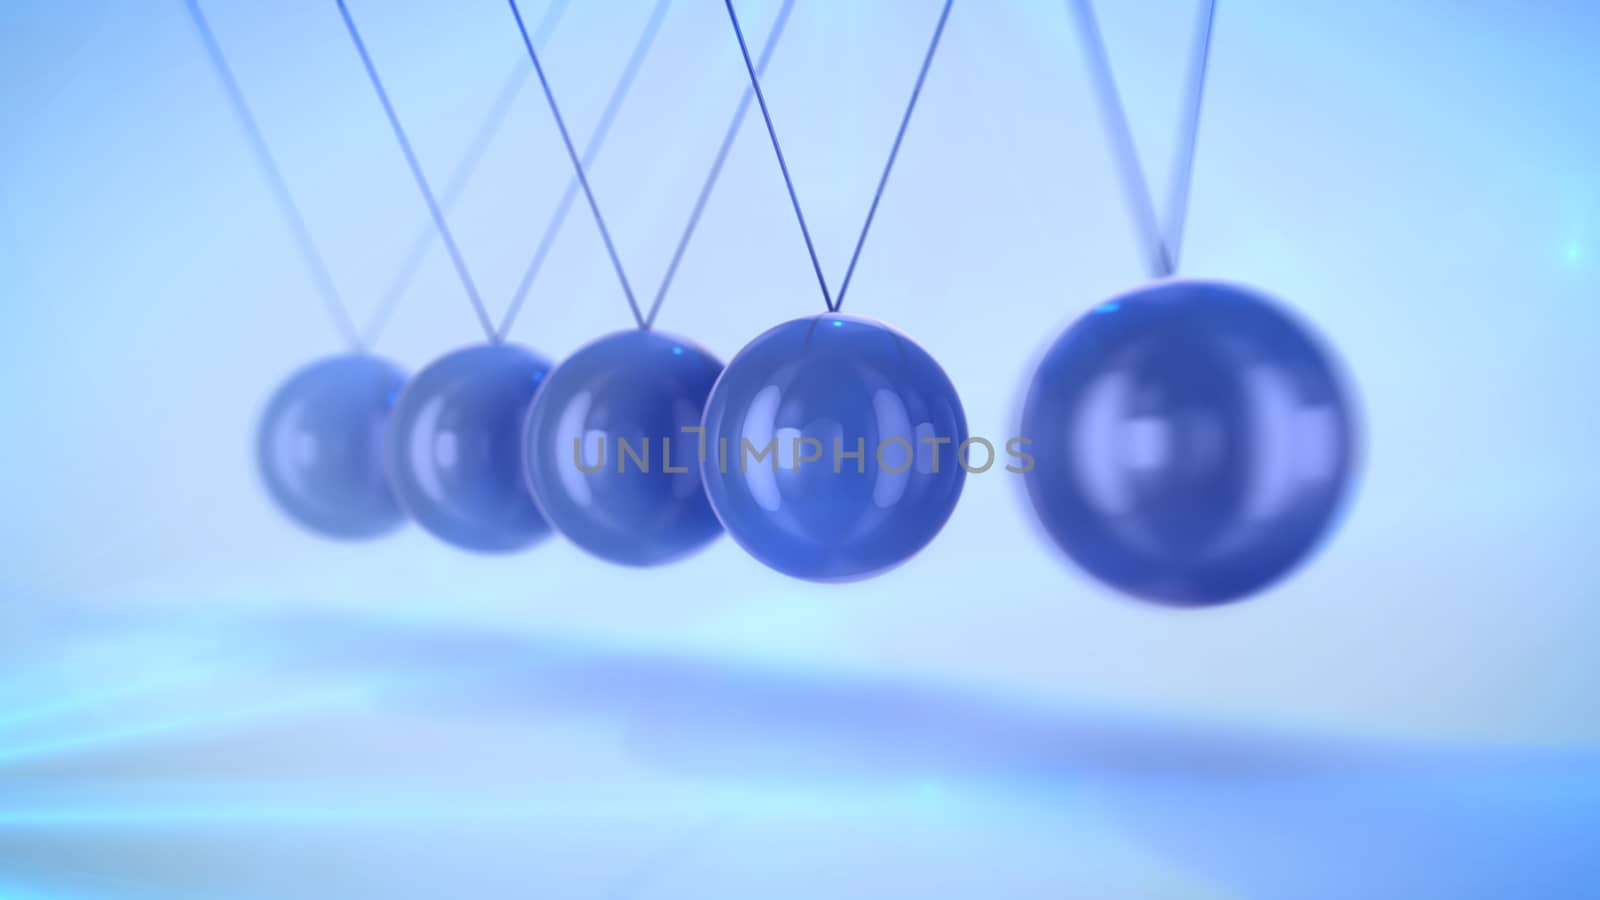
1193, 442
632, 495
319, 446
454, 448
816, 392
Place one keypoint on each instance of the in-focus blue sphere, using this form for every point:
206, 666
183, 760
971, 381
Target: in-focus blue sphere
811, 391
1193, 443
320, 446
454, 448
626, 400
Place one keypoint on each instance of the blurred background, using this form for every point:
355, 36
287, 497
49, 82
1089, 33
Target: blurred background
197, 699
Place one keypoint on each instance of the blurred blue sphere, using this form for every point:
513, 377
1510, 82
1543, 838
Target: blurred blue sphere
320, 446
625, 399
809, 392
1193, 443
454, 448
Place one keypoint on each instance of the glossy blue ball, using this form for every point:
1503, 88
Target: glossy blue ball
454, 448
1193, 443
320, 446
784, 424
632, 493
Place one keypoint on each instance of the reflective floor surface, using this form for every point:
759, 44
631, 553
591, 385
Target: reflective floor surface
318, 756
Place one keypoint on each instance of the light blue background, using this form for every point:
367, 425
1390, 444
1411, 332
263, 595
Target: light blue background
1419, 179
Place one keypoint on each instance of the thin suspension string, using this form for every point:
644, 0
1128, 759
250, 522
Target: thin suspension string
1161, 251
833, 304
1114, 119
894, 151
591, 152
411, 264
314, 262
777, 150
721, 159
418, 251
449, 240
1189, 131
577, 164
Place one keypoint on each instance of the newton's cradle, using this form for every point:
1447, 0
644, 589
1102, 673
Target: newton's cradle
1191, 441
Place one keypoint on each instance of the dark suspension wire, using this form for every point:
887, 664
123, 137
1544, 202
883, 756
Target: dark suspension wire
721, 159
456, 259
577, 165
777, 150
894, 151
1135, 189
317, 266
1189, 131
591, 151
834, 303
1162, 251
411, 263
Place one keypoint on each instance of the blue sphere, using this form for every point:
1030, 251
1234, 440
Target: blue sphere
454, 448
832, 448
320, 446
632, 495
1193, 443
